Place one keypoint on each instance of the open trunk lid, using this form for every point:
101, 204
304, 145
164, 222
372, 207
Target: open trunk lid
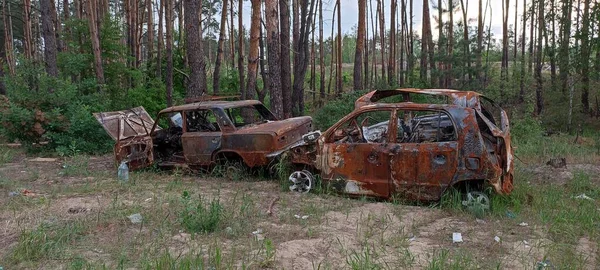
131, 130
125, 124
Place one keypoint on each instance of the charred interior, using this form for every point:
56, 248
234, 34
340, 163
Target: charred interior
412, 127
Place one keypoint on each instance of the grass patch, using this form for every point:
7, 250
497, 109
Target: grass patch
47, 241
6, 155
200, 215
443, 259
76, 166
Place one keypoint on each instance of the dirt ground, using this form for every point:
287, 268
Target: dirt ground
305, 231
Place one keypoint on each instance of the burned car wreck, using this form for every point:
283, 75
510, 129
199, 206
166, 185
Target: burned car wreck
417, 145
201, 134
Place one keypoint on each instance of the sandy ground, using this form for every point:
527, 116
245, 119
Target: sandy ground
336, 233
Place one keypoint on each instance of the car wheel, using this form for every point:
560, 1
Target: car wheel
302, 181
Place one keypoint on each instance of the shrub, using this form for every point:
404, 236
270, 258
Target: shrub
200, 215
335, 109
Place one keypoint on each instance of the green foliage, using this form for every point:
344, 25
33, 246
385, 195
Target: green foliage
199, 215
336, 109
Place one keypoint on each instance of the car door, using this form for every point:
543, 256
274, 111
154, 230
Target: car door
131, 131
201, 136
357, 154
423, 158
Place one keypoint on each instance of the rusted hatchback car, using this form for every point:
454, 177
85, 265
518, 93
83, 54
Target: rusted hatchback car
201, 134
416, 146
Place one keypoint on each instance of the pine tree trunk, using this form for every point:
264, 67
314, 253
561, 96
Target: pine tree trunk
92, 6
538, 61
221, 43
265, 77
49, 36
411, 56
425, 39
466, 40
60, 47
360, 46
553, 46
193, 41
303, 57
531, 37
523, 39
253, 56
160, 39
449, 72
516, 39
284, 37
27, 28
273, 58
169, 51
381, 37
241, 49
504, 71
366, 47
441, 46
321, 57
585, 57
478, 65
231, 36
8, 39
392, 53
338, 73
150, 25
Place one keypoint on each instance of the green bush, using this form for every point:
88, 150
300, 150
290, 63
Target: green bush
335, 109
199, 215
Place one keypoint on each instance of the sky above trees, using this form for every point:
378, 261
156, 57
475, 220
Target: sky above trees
350, 14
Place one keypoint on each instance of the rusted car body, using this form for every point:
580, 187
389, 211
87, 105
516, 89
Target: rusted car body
413, 149
201, 134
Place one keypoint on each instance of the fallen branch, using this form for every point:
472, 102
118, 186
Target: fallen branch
270, 210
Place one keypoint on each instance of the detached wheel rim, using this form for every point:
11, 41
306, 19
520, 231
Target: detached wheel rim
302, 181
477, 201
233, 172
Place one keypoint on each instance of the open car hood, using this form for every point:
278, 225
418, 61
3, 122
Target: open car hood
126, 124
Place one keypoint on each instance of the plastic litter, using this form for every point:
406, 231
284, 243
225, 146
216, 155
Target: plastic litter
497, 239
510, 214
523, 224
412, 239
136, 218
123, 172
457, 238
545, 264
258, 231
304, 217
13, 193
583, 197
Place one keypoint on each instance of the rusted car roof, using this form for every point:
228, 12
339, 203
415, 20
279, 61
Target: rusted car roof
459, 98
210, 105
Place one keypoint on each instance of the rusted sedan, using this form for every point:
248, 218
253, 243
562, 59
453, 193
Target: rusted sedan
415, 143
201, 134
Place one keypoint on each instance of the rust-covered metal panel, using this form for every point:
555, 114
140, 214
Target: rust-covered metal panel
198, 147
457, 142
126, 124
